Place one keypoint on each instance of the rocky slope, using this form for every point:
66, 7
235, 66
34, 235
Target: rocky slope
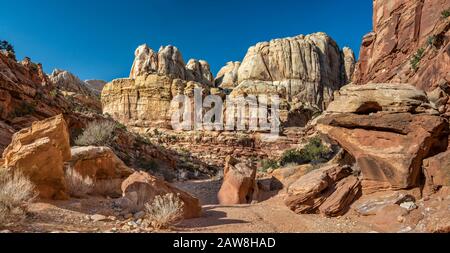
409, 44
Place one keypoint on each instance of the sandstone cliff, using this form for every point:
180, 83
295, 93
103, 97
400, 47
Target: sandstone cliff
155, 79
304, 71
409, 44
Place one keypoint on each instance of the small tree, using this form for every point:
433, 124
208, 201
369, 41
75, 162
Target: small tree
6, 46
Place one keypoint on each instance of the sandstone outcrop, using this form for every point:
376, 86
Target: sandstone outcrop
169, 62
239, 184
199, 71
403, 29
141, 188
40, 152
328, 190
146, 100
73, 88
26, 93
227, 77
156, 78
389, 138
302, 69
375, 97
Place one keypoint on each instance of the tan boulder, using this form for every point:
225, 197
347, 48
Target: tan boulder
389, 148
141, 188
40, 152
101, 165
239, 184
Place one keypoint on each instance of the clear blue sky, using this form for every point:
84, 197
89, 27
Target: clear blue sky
96, 39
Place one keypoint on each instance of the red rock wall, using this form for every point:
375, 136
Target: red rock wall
400, 28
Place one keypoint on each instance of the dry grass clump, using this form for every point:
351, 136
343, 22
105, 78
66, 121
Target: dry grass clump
98, 133
164, 212
16, 193
77, 185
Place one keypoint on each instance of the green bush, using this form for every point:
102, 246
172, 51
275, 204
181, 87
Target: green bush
445, 13
314, 152
417, 57
269, 164
98, 133
6, 46
24, 109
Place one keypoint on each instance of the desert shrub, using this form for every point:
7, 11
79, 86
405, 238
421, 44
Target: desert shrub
269, 164
16, 192
445, 13
431, 40
98, 133
6, 46
417, 57
164, 212
314, 152
77, 185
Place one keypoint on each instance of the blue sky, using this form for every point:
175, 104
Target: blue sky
96, 39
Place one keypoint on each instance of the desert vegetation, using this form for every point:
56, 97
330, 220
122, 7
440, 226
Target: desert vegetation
98, 133
164, 211
16, 192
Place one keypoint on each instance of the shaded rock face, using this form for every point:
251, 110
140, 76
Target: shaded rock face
40, 152
328, 190
141, 188
389, 138
239, 184
306, 69
400, 29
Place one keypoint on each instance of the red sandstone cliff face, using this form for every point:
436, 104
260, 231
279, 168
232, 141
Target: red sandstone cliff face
401, 28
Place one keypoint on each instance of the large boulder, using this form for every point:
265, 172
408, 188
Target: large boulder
328, 190
98, 163
239, 184
40, 152
388, 129
101, 165
375, 97
141, 188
